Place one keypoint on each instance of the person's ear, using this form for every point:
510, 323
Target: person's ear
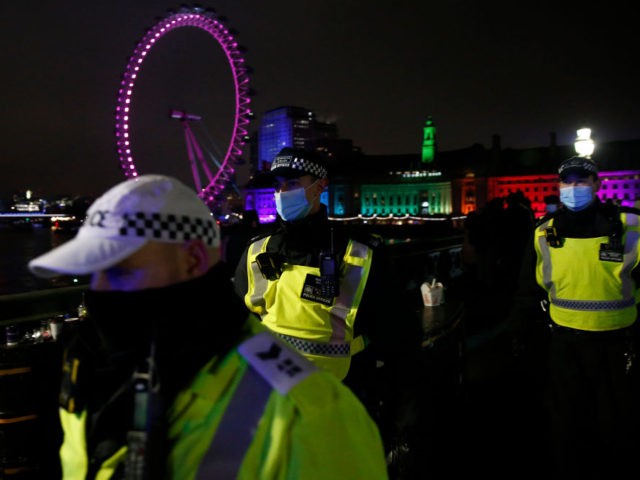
196, 256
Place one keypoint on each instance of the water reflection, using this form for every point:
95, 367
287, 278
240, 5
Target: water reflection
17, 247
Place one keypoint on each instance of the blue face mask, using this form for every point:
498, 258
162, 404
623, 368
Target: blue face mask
293, 204
576, 198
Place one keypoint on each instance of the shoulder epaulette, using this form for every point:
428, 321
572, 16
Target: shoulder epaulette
260, 236
372, 240
276, 362
544, 218
265, 232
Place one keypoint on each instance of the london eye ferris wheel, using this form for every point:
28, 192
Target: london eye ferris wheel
217, 178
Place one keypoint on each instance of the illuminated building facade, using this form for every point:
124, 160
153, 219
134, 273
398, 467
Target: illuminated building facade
392, 198
456, 182
283, 127
617, 161
288, 126
622, 186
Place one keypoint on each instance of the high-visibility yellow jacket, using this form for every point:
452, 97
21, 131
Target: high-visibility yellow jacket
322, 329
589, 290
309, 425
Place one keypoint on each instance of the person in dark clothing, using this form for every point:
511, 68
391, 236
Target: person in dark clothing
582, 268
331, 294
170, 377
495, 238
552, 203
518, 222
235, 238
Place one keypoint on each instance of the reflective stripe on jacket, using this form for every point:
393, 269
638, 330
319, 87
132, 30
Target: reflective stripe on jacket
322, 333
587, 293
301, 432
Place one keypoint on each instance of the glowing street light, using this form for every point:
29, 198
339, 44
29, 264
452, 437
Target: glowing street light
584, 144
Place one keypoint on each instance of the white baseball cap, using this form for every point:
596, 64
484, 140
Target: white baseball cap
122, 220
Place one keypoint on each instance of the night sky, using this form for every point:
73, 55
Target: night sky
377, 69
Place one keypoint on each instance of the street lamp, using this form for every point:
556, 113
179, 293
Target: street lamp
584, 144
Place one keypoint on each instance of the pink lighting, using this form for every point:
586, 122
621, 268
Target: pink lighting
195, 17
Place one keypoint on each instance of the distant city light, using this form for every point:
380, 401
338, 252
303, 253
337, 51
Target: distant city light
584, 144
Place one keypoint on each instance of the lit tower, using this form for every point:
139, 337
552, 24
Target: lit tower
429, 141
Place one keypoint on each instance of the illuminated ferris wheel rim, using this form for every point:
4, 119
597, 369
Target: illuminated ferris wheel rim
208, 21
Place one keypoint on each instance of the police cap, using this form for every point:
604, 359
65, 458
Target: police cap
296, 162
578, 165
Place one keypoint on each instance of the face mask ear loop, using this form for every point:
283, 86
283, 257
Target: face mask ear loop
312, 184
316, 181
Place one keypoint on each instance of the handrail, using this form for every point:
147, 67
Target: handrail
37, 305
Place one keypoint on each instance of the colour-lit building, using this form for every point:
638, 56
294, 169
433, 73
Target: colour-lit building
284, 127
431, 183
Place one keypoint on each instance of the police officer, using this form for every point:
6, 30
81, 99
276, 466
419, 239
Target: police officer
330, 292
552, 203
583, 266
168, 378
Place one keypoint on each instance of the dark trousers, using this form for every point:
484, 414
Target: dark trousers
594, 407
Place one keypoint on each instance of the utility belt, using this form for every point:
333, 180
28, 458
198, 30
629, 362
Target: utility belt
618, 333
622, 338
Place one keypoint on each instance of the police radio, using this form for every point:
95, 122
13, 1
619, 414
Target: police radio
144, 439
270, 265
329, 284
329, 275
552, 237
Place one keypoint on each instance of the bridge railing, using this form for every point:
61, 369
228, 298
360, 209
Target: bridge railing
35, 306
415, 258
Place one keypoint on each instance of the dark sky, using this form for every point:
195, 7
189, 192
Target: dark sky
377, 69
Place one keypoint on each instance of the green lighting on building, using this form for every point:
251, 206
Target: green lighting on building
428, 141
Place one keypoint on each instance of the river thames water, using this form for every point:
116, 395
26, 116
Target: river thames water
17, 247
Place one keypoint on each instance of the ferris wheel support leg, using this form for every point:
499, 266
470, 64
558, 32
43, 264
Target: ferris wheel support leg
191, 144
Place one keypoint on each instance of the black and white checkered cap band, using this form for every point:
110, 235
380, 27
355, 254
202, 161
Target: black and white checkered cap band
578, 164
295, 163
169, 227
332, 349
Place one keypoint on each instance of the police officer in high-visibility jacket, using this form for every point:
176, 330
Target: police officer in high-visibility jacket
330, 292
584, 258
170, 377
